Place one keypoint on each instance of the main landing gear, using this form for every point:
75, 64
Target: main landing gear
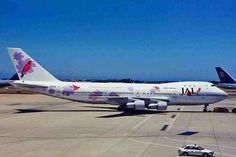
124, 108
121, 108
205, 107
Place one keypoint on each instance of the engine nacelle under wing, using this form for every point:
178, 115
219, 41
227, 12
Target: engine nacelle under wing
136, 105
160, 105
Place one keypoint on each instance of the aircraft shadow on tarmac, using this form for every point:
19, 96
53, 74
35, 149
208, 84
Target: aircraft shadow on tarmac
18, 111
119, 113
103, 109
135, 113
129, 113
150, 111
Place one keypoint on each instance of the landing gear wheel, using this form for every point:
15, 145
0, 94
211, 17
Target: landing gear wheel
205, 107
120, 108
185, 154
205, 155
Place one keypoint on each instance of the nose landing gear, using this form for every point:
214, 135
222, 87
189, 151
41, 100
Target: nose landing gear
205, 107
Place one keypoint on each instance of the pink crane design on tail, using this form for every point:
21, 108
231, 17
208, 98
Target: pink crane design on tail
24, 65
26, 68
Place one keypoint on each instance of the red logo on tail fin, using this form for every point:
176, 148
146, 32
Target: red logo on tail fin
27, 68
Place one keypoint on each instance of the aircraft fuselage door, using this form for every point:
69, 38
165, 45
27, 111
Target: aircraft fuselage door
58, 91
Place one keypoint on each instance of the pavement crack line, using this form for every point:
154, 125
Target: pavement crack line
233, 122
174, 119
124, 137
139, 124
152, 143
188, 126
149, 144
214, 134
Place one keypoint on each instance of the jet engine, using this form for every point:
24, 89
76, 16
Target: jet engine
136, 105
160, 105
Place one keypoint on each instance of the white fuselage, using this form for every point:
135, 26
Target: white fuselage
227, 85
178, 93
33, 77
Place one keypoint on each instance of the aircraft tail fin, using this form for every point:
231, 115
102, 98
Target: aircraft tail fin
224, 76
28, 69
14, 77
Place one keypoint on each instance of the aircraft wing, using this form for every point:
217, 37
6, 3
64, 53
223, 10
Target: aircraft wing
119, 100
160, 98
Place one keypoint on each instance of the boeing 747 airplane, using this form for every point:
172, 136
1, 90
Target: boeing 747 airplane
134, 96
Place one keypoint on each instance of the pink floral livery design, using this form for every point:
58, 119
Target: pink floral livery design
24, 66
155, 89
67, 91
94, 95
51, 91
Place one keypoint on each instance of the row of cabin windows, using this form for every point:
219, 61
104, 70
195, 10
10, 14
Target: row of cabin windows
197, 86
129, 93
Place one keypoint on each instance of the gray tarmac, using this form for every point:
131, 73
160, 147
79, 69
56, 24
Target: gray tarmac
41, 126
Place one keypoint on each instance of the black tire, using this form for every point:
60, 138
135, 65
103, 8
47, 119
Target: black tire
120, 108
234, 110
185, 154
204, 110
205, 155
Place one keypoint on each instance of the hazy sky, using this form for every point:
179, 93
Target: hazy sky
142, 39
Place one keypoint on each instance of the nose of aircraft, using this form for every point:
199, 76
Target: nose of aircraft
222, 93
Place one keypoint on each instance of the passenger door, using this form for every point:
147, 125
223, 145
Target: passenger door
58, 91
190, 150
198, 151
